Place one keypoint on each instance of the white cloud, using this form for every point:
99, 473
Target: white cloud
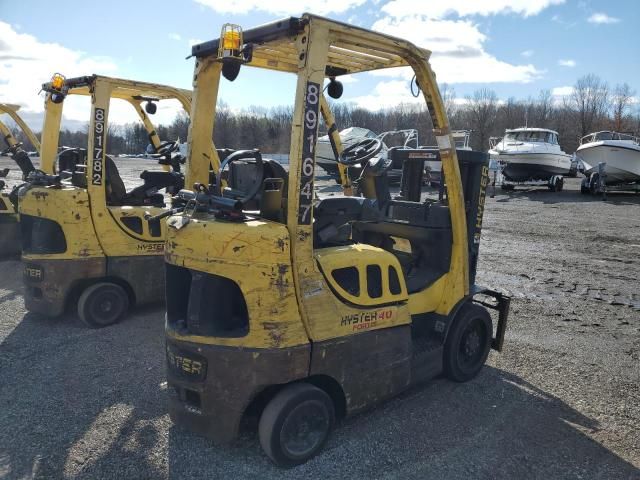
175, 36
281, 7
567, 63
388, 94
527, 53
26, 63
602, 18
458, 52
347, 78
562, 91
441, 8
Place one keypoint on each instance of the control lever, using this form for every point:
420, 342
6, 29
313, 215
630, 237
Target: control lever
165, 214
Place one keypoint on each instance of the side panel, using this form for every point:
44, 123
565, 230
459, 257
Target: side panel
69, 207
145, 275
213, 406
370, 366
255, 255
48, 282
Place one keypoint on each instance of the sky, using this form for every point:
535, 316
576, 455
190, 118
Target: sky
514, 47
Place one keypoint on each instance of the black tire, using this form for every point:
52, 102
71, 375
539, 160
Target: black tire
468, 343
584, 186
296, 424
102, 304
554, 184
559, 184
594, 183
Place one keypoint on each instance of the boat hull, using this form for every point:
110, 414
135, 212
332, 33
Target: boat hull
622, 164
524, 167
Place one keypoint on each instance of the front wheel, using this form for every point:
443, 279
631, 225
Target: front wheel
102, 304
296, 424
467, 345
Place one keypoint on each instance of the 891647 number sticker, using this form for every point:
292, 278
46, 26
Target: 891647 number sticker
98, 146
308, 164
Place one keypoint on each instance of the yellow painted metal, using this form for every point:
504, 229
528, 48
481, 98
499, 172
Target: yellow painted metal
12, 111
7, 135
360, 256
206, 80
256, 256
330, 123
50, 135
69, 207
206, 244
115, 238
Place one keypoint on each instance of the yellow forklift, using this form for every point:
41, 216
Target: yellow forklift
297, 311
86, 239
9, 228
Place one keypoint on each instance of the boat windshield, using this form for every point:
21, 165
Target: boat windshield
531, 136
604, 136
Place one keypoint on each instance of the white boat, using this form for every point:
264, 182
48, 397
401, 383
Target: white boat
531, 154
619, 152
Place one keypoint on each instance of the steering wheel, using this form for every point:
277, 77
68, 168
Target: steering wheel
360, 151
242, 155
167, 147
11, 149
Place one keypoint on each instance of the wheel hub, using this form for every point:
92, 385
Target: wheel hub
304, 429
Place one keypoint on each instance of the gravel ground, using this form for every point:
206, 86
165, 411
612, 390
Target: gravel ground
561, 401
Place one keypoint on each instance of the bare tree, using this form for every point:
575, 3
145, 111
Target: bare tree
482, 109
590, 101
543, 108
622, 98
448, 97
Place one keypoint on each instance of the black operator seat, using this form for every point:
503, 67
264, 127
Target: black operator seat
145, 194
334, 216
116, 191
243, 174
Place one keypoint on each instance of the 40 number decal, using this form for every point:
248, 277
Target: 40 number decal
98, 146
308, 164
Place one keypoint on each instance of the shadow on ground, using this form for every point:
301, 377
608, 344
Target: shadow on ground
83, 403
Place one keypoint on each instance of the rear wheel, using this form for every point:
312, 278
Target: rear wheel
296, 424
594, 183
467, 345
584, 186
556, 183
102, 304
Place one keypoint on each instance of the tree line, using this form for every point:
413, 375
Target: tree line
592, 105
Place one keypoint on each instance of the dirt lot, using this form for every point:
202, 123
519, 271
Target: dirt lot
561, 401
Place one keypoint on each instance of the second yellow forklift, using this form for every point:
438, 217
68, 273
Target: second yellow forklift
88, 242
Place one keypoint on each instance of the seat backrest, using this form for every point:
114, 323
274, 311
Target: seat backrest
116, 191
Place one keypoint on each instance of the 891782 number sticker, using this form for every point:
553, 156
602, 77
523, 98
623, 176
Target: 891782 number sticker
98, 146
308, 164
